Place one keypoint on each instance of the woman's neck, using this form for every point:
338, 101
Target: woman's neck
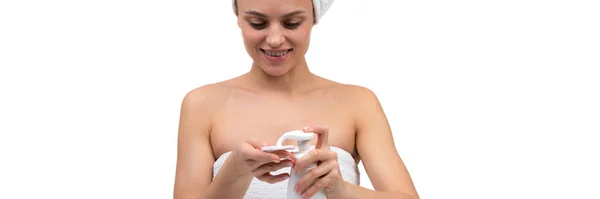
297, 79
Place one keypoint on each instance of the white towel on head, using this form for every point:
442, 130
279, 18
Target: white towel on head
320, 7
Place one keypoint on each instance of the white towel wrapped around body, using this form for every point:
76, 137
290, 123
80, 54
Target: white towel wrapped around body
262, 190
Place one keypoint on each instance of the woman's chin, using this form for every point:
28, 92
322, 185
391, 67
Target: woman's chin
275, 70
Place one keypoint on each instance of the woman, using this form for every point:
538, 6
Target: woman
223, 125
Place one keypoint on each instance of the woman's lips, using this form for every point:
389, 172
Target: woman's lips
276, 55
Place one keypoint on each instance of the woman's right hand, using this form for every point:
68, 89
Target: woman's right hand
251, 159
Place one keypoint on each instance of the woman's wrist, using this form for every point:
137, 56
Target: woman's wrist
349, 191
232, 180
345, 191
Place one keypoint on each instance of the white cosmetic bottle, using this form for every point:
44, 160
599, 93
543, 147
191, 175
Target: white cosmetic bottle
303, 140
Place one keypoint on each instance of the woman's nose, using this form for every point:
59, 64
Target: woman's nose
275, 37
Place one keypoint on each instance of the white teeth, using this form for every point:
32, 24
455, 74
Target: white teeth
276, 54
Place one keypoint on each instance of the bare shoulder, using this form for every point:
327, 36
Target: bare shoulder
206, 97
360, 93
211, 93
362, 104
201, 96
355, 95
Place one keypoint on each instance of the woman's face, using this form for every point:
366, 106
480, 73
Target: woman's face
276, 33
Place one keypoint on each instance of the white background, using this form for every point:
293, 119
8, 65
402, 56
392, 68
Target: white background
487, 99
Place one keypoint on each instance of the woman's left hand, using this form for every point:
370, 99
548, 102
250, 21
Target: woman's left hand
326, 175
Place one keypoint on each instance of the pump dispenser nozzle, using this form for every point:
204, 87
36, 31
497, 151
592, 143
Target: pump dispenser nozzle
302, 138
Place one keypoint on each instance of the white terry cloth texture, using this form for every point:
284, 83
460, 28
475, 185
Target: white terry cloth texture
262, 190
320, 7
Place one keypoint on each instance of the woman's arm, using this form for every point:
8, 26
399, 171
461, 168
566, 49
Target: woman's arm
195, 156
386, 170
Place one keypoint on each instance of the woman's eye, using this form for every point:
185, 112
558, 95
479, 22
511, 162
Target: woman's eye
291, 25
258, 25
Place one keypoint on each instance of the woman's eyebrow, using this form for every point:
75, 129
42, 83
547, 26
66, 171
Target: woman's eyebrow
282, 16
256, 13
292, 13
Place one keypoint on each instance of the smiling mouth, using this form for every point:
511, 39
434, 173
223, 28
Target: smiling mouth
277, 53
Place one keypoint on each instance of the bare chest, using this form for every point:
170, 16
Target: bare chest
266, 119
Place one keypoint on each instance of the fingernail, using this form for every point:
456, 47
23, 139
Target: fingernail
296, 188
285, 177
306, 128
276, 161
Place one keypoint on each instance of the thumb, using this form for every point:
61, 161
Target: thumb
256, 143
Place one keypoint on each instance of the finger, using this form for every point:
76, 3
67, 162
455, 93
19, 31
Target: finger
322, 135
269, 178
270, 167
292, 158
282, 154
252, 149
256, 156
257, 144
313, 157
286, 155
323, 183
263, 157
314, 174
